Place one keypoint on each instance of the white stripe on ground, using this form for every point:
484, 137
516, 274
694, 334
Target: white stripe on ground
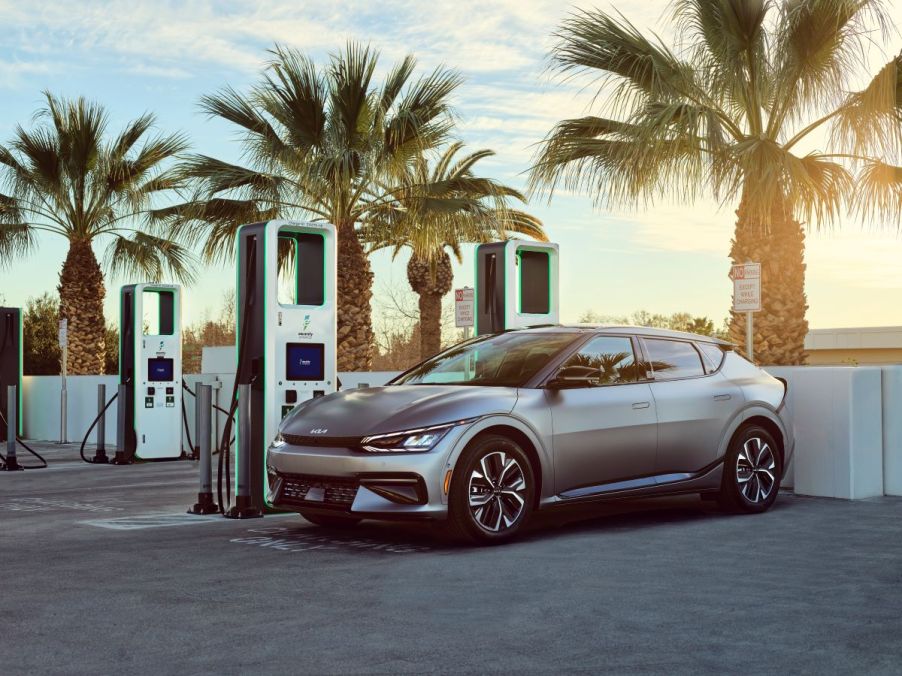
162, 520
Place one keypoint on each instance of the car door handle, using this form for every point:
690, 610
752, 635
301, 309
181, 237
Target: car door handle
722, 397
641, 404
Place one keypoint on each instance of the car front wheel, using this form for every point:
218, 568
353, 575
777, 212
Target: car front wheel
492, 491
752, 472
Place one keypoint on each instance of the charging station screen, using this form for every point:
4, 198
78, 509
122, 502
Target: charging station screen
160, 370
305, 361
535, 290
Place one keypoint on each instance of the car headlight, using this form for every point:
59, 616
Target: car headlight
279, 440
409, 441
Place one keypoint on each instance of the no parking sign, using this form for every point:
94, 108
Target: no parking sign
746, 287
464, 307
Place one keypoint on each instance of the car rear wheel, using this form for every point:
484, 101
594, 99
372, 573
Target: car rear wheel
752, 472
330, 521
492, 491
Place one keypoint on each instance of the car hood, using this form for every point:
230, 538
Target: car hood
395, 408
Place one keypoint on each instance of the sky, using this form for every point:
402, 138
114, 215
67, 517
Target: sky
162, 56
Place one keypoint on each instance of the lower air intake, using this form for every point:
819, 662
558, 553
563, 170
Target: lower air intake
309, 490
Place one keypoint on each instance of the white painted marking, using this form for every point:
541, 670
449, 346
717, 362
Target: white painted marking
285, 540
161, 520
39, 504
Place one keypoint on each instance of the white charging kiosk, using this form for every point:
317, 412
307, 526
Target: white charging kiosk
150, 366
287, 326
517, 285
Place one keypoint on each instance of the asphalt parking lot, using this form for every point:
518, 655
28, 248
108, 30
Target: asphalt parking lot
103, 573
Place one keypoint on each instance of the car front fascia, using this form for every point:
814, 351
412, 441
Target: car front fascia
432, 466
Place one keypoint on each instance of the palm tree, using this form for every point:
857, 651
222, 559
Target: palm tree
727, 114
435, 210
323, 144
67, 179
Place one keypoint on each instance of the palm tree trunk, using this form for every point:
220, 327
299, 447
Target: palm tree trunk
355, 289
431, 281
430, 324
781, 327
81, 293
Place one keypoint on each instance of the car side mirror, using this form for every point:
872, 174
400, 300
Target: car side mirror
569, 377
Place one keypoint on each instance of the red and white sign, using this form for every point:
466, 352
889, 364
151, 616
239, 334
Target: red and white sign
464, 307
746, 287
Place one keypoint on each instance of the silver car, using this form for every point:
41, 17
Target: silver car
484, 434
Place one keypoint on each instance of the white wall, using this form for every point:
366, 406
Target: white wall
41, 407
41, 402
847, 420
838, 429
892, 430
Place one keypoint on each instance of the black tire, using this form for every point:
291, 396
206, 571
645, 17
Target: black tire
762, 475
501, 506
331, 521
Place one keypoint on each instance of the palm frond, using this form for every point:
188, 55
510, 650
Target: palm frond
149, 257
213, 223
879, 193
613, 50
728, 41
870, 121
296, 99
818, 45
16, 236
813, 186
663, 148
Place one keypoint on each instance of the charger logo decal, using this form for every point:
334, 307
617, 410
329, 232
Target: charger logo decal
304, 333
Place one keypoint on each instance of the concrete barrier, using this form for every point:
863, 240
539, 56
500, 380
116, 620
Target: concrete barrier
848, 420
892, 430
41, 403
41, 407
838, 428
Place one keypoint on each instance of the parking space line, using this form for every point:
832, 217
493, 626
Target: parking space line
160, 520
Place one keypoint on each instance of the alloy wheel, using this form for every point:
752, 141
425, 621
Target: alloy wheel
497, 491
756, 470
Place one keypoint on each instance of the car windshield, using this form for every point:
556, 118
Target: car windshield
501, 360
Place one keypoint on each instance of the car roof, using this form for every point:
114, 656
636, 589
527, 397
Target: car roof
622, 328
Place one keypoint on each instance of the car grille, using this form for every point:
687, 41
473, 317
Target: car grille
337, 492
326, 442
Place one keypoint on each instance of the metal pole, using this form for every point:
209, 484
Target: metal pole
243, 470
198, 429
12, 428
243, 508
217, 385
64, 398
204, 410
121, 407
750, 335
100, 456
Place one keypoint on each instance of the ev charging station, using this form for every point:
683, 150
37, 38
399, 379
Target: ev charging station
517, 285
10, 368
287, 332
150, 368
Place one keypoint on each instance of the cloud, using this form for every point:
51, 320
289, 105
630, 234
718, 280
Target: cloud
169, 72
14, 74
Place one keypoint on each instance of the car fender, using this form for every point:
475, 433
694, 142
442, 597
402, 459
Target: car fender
506, 420
752, 410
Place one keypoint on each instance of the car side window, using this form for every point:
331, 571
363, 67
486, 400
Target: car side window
672, 359
713, 355
609, 359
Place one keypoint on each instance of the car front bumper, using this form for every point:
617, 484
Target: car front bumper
347, 481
